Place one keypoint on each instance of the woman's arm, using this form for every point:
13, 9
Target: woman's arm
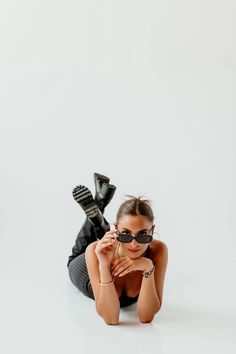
108, 304
151, 292
148, 302
106, 298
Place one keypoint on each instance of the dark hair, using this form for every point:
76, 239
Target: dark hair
135, 206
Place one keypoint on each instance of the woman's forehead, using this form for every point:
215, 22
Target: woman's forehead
134, 222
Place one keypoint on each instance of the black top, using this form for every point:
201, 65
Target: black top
129, 300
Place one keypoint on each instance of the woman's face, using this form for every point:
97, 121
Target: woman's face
134, 224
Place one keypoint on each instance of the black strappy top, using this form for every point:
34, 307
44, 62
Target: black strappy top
129, 300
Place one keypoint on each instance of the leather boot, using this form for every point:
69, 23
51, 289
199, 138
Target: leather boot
104, 191
83, 196
100, 225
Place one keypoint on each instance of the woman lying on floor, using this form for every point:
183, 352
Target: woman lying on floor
121, 266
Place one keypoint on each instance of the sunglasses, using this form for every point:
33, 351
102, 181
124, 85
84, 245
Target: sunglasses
126, 238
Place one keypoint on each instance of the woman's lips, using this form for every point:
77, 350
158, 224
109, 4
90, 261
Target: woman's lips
132, 250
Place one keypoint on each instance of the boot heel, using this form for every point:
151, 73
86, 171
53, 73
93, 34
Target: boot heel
104, 191
103, 177
99, 179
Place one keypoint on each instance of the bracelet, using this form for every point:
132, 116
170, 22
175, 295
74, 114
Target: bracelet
106, 283
148, 274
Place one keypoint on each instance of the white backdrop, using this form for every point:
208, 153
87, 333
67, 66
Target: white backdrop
143, 92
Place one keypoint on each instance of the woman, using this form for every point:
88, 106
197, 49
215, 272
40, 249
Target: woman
120, 266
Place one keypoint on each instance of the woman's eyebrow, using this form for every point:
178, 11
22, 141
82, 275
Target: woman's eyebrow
131, 231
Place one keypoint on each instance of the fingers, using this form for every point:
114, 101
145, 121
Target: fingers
120, 261
101, 246
119, 264
122, 271
123, 267
109, 239
110, 235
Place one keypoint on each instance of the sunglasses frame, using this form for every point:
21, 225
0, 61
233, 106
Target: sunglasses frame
133, 237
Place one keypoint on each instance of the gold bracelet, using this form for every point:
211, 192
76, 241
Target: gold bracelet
106, 283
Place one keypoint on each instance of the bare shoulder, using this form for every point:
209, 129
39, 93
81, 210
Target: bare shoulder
92, 245
158, 250
90, 254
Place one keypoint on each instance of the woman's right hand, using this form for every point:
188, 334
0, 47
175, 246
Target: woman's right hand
105, 248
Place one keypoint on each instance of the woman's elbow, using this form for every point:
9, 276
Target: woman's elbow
109, 321
113, 323
147, 319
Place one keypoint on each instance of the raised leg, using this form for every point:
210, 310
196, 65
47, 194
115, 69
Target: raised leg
88, 234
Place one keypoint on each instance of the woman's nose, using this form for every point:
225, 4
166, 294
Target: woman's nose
133, 242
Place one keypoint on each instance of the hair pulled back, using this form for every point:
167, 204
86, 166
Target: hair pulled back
135, 206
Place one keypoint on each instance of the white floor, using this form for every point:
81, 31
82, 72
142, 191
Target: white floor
42, 312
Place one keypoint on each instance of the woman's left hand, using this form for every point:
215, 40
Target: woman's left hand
125, 265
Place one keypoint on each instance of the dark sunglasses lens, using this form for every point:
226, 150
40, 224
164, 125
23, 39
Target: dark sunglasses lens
140, 238
124, 238
144, 238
